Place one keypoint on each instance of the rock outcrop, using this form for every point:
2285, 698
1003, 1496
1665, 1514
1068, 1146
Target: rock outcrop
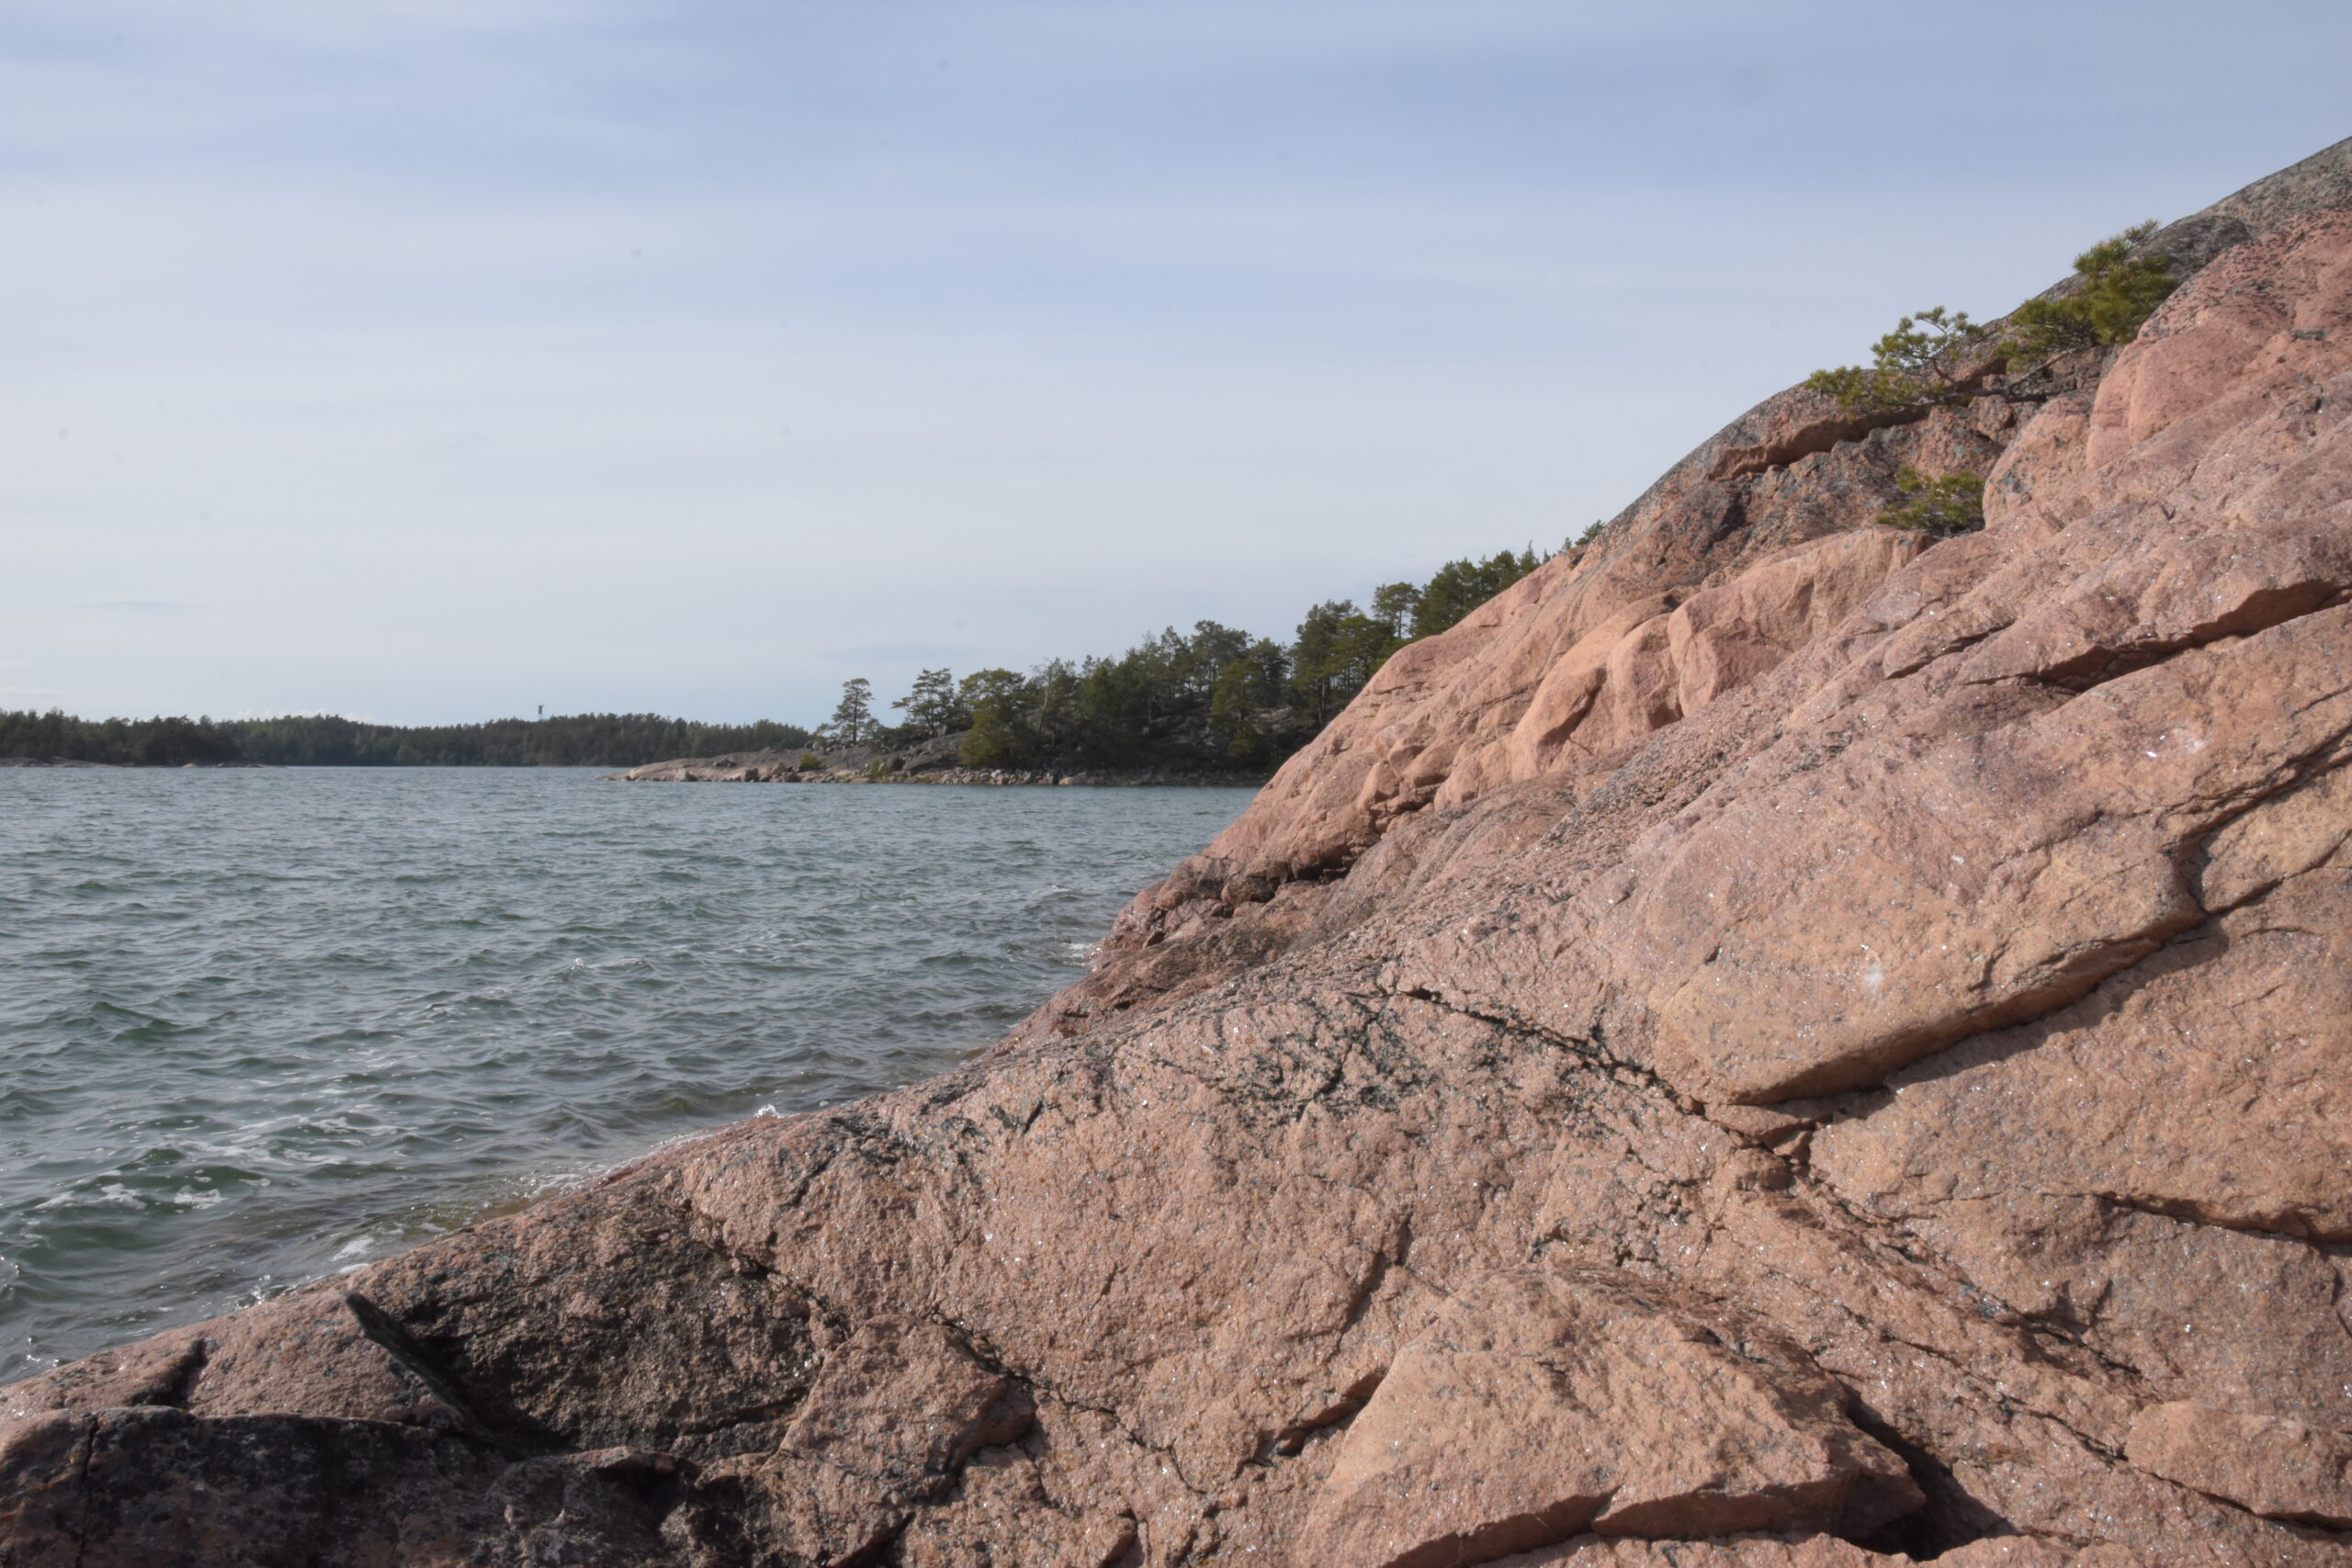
1742, 553
931, 763
1775, 1043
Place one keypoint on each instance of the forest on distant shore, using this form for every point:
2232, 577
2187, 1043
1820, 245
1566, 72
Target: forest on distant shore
574, 740
1212, 700
1215, 700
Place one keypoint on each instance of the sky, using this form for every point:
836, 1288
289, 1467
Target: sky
437, 360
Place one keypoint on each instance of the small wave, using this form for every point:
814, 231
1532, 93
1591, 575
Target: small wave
264, 1288
308, 1062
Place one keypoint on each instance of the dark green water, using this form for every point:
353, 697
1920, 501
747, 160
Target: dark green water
259, 1026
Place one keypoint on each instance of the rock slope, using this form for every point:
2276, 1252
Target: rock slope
1769, 1045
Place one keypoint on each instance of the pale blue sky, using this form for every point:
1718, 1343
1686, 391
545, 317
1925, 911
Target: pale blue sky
436, 359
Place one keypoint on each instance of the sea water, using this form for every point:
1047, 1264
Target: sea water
259, 1026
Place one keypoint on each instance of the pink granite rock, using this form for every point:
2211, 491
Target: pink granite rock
1770, 1044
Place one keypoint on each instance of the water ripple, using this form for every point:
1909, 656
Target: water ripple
259, 1026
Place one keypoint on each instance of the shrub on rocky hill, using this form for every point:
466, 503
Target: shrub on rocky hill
1952, 504
1924, 361
2116, 292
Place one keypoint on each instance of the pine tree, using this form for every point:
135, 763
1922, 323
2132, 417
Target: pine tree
1924, 360
1952, 504
933, 706
997, 701
1339, 649
853, 721
1461, 586
2116, 292
1394, 605
1245, 715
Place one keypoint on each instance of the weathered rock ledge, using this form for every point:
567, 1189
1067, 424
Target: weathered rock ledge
1769, 1046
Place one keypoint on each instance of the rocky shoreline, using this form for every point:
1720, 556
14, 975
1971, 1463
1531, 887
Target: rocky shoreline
1778, 1042
788, 767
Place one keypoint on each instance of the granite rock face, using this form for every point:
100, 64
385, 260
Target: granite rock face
1775, 1043
1705, 585
1542, 1404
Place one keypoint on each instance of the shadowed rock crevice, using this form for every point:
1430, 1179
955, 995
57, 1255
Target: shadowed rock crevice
2258, 611
1806, 441
1947, 1517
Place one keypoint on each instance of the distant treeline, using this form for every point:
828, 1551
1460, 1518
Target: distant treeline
1215, 700
576, 741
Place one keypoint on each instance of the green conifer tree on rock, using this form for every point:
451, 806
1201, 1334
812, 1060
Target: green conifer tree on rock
853, 720
1461, 586
1941, 507
2118, 292
933, 705
999, 735
1925, 360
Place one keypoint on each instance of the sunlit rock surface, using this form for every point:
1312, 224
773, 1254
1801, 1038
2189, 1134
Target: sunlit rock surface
1773, 1043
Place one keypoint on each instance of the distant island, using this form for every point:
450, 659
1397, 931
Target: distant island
1216, 705
323, 741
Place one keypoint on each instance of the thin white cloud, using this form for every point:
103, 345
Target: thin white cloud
625, 354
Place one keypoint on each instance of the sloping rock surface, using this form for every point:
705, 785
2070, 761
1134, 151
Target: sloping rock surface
1740, 555
1773, 1044
1544, 1403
